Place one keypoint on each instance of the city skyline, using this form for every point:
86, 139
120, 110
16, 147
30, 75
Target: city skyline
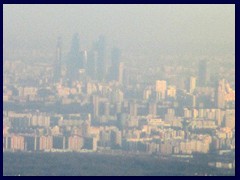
89, 96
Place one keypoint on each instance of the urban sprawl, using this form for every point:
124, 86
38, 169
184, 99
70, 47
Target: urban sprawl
87, 104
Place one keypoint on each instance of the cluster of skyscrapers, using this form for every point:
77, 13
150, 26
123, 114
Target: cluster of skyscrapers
86, 101
94, 62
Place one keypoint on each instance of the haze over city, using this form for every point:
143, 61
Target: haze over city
153, 28
123, 89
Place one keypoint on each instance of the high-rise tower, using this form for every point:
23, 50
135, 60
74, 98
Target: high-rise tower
74, 61
161, 87
120, 72
191, 84
220, 94
58, 61
101, 61
95, 101
92, 64
203, 75
115, 60
84, 59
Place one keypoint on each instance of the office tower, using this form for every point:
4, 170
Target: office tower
203, 73
230, 118
95, 106
220, 94
147, 93
133, 109
120, 72
190, 100
171, 91
152, 108
58, 61
106, 108
115, 60
161, 87
92, 64
126, 76
74, 62
84, 59
191, 84
101, 61
122, 119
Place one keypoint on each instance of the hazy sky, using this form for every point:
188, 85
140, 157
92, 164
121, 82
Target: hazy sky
148, 27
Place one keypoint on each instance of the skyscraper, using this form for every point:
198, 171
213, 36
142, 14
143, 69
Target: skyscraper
115, 60
100, 47
74, 61
152, 108
92, 64
220, 94
203, 73
95, 100
191, 84
58, 61
84, 59
133, 108
161, 87
106, 108
120, 72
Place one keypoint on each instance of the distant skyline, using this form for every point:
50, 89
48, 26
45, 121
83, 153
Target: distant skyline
119, 90
145, 28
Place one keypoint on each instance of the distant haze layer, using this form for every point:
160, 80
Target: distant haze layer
143, 28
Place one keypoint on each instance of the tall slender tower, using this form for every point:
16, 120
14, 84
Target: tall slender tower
74, 61
133, 108
203, 75
120, 72
84, 59
152, 108
95, 101
58, 61
220, 94
92, 64
115, 58
191, 84
161, 87
101, 62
